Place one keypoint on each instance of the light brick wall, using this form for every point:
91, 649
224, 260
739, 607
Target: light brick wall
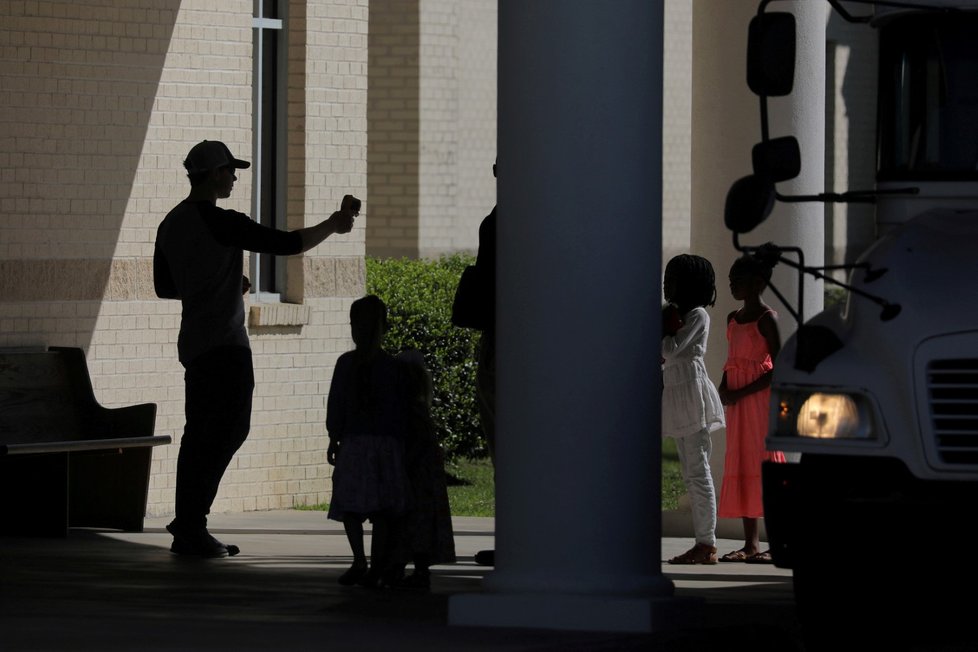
439, 124
393, 125
284, 458
99, 103
432, 125
477, 53
676, 127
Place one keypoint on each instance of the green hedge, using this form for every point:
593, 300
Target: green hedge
419, 294
835, 296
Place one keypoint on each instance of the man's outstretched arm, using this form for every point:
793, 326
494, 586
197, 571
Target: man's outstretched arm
339, 222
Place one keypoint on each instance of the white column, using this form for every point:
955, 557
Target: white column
578, 521
802, 114
726, 125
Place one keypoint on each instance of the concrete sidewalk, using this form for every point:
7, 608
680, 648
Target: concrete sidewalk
100, 590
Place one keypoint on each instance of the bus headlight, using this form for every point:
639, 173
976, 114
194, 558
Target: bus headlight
822, 415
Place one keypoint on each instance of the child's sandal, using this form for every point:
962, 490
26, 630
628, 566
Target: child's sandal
698, 554
735, 556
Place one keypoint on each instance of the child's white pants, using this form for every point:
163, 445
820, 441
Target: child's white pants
694, 459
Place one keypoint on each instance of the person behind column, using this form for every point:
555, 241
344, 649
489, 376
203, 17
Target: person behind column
366, 417
485, 262
199, 259
691, 407
753, 343
428, 537
475, 307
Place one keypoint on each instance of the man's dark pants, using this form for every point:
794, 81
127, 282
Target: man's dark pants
219, 388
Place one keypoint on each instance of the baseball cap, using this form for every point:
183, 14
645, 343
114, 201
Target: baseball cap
211, 154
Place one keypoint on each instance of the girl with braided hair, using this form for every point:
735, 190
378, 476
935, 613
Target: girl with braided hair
691, 407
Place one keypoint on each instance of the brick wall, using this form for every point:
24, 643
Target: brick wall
676, 127
99, 103
392, 115
284, 463
432, 124
439, 124
476, 192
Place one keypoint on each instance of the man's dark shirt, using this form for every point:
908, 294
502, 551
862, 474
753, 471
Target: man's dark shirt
199, 259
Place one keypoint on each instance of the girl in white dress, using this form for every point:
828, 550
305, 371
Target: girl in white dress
691, 407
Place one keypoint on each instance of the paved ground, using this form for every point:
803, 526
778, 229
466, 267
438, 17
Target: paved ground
115, 591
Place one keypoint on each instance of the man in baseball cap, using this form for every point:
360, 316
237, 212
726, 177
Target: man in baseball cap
209, 155
199, 259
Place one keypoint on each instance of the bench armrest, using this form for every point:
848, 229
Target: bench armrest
83, 445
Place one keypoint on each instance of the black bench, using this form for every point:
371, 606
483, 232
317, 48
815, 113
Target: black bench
66, 461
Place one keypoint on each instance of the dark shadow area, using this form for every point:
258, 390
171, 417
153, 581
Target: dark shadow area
93, 575
96, 590
455, 481
105, 590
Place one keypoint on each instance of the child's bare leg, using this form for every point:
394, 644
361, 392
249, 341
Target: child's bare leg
752, 541
353, 526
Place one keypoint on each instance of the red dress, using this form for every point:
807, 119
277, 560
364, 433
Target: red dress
747, 421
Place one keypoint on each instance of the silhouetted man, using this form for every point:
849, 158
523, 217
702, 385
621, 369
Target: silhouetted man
199, 259
477, 309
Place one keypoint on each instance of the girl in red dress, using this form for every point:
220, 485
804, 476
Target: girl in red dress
745, 389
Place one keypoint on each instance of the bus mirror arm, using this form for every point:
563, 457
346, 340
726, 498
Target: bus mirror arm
848, 197
804, 360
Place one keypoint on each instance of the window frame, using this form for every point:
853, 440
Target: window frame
268, 273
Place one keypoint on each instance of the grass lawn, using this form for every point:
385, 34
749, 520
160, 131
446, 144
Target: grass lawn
672, 479
470, 486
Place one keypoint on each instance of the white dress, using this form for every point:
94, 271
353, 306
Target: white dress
690, 402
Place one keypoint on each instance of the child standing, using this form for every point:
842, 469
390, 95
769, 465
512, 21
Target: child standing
365, 418
745, 389
428, 537
691, 407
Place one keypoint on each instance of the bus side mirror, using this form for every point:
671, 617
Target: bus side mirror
778, 159
749, 202
771, 54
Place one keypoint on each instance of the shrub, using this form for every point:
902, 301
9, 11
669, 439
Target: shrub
419, 295
835, 297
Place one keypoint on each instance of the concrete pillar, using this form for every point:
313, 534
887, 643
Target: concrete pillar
802, 114
578, 522
726, 125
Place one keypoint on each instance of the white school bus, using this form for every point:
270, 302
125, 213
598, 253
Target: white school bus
880, 396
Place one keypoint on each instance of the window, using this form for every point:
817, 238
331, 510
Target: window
268, 200
929, 99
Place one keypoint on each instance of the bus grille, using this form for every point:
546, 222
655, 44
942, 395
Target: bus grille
953, 391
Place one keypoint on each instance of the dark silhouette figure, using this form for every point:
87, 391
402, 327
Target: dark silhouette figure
475, 307
428, 535
366, 417
691, 407
486, 371
753, 343
199, 260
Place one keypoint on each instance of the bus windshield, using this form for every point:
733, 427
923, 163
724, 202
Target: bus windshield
928, 98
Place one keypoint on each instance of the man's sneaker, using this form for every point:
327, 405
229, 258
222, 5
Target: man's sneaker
199, 543
486, 558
